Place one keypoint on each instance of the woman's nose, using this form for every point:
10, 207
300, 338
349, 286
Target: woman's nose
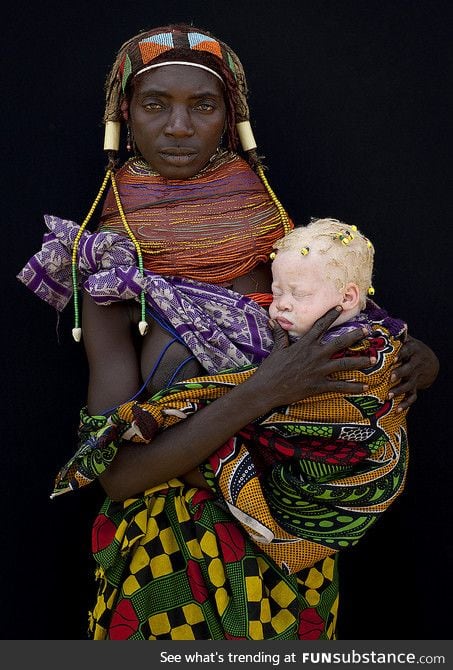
179, 123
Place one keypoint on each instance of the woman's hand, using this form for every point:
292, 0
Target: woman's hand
418, 367
292, 373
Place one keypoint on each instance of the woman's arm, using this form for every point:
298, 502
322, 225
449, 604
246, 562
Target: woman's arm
288, 374
114, 366
418, 368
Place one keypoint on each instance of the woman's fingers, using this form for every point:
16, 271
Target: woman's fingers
419, 365
404, 383
323, 323
308, 366
281, 340
345, 341
337, 344
417, 368
408, 400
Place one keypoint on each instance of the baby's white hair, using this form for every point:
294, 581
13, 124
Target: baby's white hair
348, 255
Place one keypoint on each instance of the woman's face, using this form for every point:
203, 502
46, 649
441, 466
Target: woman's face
177, 115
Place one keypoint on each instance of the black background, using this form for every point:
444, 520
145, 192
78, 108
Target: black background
349, 103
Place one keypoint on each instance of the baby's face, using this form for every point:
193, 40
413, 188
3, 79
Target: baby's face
301, 292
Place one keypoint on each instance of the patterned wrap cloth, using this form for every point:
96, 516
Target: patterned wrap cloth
304, 480
255, 556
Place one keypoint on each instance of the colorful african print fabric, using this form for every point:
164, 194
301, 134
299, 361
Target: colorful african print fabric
174, 565
301, 489
304, 481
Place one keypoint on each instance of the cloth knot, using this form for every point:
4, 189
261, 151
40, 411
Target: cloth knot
49, 273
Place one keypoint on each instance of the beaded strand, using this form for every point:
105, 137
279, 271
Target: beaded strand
77, 330
143, 325
275, 200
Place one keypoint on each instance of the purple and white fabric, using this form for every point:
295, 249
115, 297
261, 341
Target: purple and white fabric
222, 328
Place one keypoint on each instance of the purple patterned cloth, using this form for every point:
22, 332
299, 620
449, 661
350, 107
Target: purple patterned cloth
371, 315
48, 272
222, 328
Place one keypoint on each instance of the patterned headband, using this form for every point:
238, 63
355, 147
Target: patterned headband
151, 47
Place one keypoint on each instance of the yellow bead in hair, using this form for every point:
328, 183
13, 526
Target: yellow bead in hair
272, 255
304, 251
371, 291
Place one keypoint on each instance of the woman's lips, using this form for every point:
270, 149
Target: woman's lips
177, 156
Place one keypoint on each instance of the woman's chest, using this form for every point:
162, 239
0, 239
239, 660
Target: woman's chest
164, 358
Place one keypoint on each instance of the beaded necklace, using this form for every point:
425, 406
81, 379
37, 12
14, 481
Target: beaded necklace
214, 227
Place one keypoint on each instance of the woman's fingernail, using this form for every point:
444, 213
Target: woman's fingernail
373, 360
390, 395
393, 377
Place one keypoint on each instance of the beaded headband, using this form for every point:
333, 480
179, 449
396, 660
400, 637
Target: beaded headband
156, 44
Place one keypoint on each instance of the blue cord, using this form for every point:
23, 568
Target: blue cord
164, 324
176, 338
148, 378
180, 366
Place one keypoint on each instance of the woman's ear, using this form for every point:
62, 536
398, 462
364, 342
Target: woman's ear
124, 107
351, 297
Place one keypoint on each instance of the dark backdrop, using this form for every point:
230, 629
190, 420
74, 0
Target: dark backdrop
349, 106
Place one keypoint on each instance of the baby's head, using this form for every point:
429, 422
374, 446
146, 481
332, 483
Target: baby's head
316, 267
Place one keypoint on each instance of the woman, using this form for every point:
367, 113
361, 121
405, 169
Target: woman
173, 564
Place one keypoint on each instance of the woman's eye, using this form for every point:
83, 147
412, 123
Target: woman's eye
205, 106
153, 106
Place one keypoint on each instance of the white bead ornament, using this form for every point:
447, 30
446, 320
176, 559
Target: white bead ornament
77, 334
246, 137
143, 327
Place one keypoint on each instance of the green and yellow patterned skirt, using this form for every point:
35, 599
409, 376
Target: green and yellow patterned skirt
174, 565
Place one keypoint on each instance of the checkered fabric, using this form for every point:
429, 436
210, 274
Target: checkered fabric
173, 565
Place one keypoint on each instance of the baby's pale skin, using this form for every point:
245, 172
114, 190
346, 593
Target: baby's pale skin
303, 291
